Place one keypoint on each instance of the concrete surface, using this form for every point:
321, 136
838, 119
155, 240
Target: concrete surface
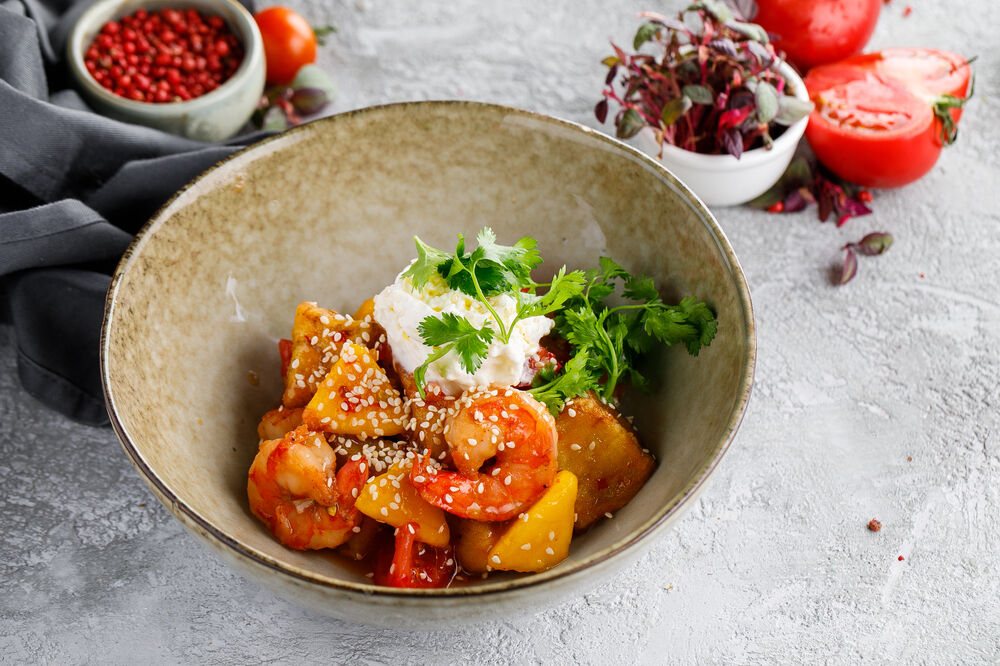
878, 399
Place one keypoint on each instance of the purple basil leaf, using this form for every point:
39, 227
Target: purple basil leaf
612, 71
850, 266
601, 110
874, 243
724, 45
824, 203
308, 101
795, 201
853, 207
733, 141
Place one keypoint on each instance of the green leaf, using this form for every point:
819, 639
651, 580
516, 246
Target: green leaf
792, 109
312, 76
641, 288
564, 287
767, 102
518, 259
469, 342
629, 124
610, 269
645, 33
714, 7
699, 94
674, 109
575, 379
749, 30
427, 263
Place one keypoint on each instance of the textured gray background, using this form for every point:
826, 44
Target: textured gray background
773, 564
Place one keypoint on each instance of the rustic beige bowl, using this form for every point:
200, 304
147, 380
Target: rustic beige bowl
327, 212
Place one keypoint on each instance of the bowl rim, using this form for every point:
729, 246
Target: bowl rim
245, 27
660, 519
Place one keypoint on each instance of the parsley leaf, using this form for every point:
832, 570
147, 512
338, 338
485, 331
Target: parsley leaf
426, 264
575, 378
469, 342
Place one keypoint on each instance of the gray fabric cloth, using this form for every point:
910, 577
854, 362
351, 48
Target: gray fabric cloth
74, 187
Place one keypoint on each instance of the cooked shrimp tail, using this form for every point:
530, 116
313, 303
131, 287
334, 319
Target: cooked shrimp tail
512, 429
293, 486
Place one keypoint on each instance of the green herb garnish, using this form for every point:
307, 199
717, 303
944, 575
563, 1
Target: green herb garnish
606, 341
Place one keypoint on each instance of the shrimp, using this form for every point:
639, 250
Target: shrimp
293, 488
508, 426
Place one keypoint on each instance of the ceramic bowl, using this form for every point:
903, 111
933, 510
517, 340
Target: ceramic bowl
214, 116
327, 212
723, 180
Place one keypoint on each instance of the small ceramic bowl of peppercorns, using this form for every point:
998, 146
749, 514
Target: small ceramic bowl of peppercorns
194, 68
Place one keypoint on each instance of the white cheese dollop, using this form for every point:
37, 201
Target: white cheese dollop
400, 307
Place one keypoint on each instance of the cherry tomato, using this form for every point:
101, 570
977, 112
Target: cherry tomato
410, 563
285, 353
813, 32
289, 43
874, 122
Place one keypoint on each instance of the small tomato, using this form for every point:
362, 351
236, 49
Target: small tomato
289, 42
813, 32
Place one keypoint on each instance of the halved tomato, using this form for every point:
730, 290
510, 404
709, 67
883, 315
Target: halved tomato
881, 119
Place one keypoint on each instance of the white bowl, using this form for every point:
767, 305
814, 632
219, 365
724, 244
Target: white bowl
215, 116
723, 180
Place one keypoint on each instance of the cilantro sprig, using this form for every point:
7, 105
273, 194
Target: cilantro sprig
606, 341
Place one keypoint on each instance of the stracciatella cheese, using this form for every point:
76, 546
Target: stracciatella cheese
400, 307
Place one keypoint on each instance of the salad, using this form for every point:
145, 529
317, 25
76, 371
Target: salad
464, 420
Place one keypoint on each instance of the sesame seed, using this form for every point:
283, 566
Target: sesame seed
526, 546
495, 559
571, 412
609, 515
550, 551
552, 536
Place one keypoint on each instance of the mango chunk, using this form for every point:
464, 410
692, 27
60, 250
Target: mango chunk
539, 538
356, 398
390, 498
598, 445
318, 334
474, 540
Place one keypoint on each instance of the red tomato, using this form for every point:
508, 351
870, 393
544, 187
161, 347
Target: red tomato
289, 43
285, 353
874, 123
813, 32
410, 563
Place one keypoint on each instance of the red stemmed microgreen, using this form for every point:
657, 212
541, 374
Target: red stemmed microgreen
807, 182
712, 86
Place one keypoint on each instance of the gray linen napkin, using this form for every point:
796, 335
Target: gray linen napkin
74, 187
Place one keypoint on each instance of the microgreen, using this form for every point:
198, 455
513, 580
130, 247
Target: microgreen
871, 245
283, 106
806, 182
605, 340
713, 87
